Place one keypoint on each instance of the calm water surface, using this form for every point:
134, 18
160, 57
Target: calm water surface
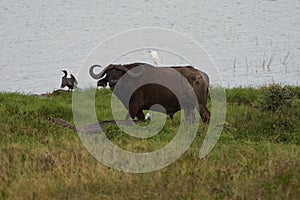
252, 42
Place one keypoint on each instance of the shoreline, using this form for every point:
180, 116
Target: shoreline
57, 91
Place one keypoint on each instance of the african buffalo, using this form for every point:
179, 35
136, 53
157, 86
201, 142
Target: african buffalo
156, 85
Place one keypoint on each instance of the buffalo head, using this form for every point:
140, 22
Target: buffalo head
102, 83
113, 73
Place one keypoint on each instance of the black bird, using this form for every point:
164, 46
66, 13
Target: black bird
69, 82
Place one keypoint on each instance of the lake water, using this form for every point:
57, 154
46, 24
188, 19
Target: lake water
252, 42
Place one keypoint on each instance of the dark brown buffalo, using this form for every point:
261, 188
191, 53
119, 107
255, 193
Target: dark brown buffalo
156, 90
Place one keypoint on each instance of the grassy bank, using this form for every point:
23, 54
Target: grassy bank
257, 155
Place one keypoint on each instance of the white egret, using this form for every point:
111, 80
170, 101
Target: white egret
155, 57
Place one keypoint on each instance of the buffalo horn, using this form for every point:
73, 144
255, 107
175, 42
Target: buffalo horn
93, 75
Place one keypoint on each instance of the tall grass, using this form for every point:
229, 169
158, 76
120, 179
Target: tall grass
256, 157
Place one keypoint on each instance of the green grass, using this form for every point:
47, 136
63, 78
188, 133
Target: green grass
256, 156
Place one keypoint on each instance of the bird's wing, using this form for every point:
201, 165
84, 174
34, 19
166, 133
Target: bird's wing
63, 82
155, 56
73, 78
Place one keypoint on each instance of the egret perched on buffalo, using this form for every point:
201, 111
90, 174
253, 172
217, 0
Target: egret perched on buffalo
155, 57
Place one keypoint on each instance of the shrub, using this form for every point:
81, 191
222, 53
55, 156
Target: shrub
242, 95
275, 98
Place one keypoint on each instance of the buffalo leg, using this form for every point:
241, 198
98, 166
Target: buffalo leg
135, 111
140, 115
204, 113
